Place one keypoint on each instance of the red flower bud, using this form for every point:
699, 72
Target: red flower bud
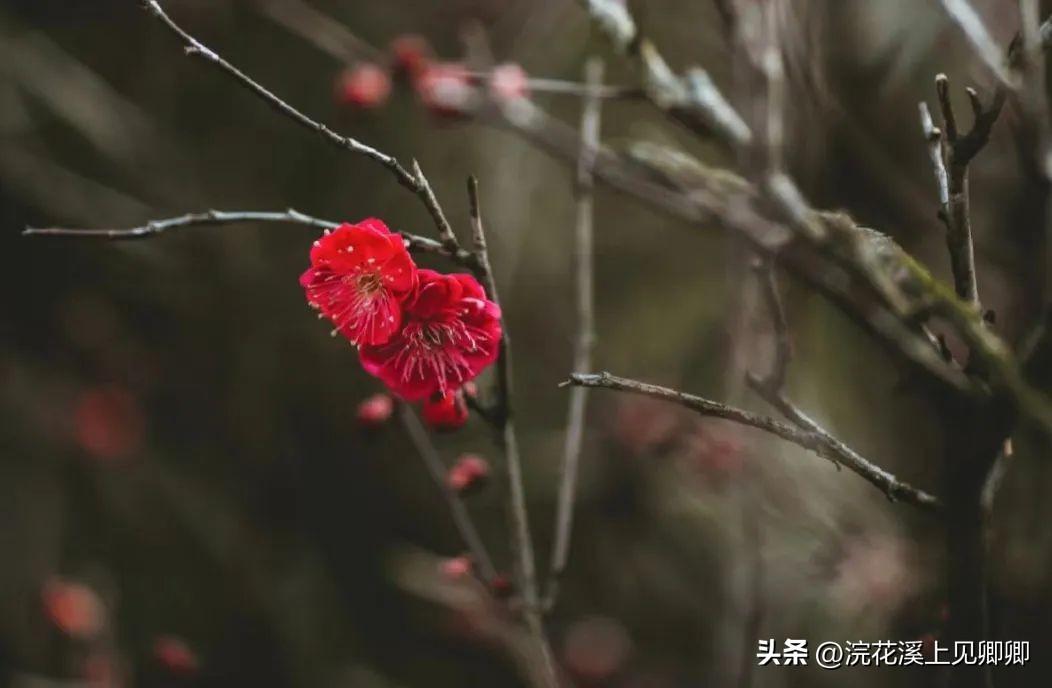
375, 411
411, 54
73, 608
364, 85
175, 655
108, 423
509, 82
469, 474
445, 411
501, 586
456, 568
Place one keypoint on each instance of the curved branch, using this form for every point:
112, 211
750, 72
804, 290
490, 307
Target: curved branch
814, 438
414, 181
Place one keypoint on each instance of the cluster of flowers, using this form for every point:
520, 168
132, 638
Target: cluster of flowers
444, 88
424, 334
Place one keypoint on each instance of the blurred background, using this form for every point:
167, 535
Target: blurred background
187, 498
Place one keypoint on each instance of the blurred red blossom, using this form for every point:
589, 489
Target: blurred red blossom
509, 81
445, 411
411, 54
358, 276
108, 423
450, 334
445, 88
717, 453
456, 568
175, 655
74, 608
469, 473
365, 85
502, 586
644, 425
375, 411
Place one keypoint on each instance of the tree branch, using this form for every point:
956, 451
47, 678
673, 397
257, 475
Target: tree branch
584, 342
503, 422
461, 517
153, 228
415, 181
813, 439
692, 99
955, 151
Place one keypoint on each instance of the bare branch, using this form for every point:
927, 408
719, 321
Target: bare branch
585, 339
415, 182
461, 517
933, 135
783, 345
692, 99
503, 421
813, 439
427, 194
415, 243
951, 152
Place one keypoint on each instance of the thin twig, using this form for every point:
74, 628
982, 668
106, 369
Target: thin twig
692, 99
933, 135
584, 342
503, 421
814, 438
957, 151
783, 343
415, 181
153, 228
461, 516
774, 73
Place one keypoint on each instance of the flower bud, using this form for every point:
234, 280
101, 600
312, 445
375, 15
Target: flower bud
174, 655
456, 568
411, 54
445, 89
509, 81
469, 474
73, 608
375, 411
445, 411
363, 86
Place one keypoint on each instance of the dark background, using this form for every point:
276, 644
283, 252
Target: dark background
178, 430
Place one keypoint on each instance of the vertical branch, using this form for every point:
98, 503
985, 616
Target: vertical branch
461, 517
957, 151
503, 422
585, 339
783, 344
